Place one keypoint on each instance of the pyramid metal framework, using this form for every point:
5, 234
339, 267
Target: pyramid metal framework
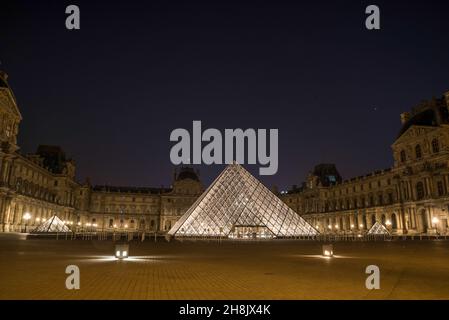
237, 205
54, 224
378, 229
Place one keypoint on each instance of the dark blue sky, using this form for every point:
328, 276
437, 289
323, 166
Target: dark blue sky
111, 93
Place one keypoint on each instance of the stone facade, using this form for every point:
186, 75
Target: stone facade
410, 197
36, 186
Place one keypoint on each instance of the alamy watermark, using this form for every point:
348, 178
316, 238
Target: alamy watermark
190, 149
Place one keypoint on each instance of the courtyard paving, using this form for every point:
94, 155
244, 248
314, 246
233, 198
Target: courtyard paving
35, 269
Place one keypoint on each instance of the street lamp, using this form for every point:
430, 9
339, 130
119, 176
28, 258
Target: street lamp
26, 217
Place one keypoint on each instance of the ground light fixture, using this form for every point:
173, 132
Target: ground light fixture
121, 251
328, 250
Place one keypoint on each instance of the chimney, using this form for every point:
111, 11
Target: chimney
405, 116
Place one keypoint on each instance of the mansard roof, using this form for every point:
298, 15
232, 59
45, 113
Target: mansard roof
187, 173
429, 113
327, 173
54, 158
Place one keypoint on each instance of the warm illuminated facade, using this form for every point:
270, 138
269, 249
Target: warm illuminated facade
35, 187
411, 197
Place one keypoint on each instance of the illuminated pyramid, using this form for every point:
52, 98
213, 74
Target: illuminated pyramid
378, 229
237, 205
54, 224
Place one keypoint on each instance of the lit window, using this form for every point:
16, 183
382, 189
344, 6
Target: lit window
403, 157
420, 190
435, 146
418, 151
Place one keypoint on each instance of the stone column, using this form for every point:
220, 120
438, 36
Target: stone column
446, 183
2, 213
403, 223
411, 192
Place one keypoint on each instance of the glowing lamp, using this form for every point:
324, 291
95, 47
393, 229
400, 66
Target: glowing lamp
435, 220
121, 251
27, 216
328, 250
388, 223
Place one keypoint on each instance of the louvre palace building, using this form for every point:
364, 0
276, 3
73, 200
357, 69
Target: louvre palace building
411, 197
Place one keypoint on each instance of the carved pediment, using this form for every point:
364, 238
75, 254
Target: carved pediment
413, 132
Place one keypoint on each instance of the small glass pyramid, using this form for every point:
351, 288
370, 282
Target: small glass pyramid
378, 228
237, 205
54, 224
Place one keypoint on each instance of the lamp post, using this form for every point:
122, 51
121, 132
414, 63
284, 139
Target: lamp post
26, 217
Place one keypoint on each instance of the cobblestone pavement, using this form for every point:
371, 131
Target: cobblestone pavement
35, 269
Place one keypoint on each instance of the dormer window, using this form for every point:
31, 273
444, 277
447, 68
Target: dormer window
403, 157
418, 152
435, 146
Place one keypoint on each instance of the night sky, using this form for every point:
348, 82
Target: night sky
111, 93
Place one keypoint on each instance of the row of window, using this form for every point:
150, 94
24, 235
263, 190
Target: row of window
418, 151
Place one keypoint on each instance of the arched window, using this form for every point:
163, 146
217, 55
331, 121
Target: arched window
440, 188
435, 146
111, 223
373, 219
394, 222
383, 219
420, 190
418, 152
403, 157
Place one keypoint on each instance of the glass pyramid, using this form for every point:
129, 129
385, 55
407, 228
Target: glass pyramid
237, 205
378, 228
54, 224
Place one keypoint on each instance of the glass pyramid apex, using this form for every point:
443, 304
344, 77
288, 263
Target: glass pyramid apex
54, 224
378, 228
237, 205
